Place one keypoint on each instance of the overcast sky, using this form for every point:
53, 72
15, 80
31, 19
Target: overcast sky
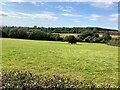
81, 14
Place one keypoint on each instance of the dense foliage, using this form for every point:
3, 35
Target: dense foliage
17, 33
114, 42
18, 80
26, 33
62, 29
71, 29
106, 37
28, 81
88, 34
71, 39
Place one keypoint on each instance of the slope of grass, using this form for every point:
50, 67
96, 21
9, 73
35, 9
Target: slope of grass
83, 61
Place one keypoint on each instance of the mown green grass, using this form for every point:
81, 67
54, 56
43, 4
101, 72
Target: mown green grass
82, 61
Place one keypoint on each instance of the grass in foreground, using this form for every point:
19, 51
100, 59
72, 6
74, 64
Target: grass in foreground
83, 61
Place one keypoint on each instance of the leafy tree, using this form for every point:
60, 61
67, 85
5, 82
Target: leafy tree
37, 35
35, 27
106, 37
114, 42
17, 33
71, 39
13, 33
5, 31
0, 33
95, 30
89, 36
56, 37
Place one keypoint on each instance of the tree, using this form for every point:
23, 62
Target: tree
114, 42
56, 37
37, 35
89, 36
5, 31
106, 37
0, 33
35, 27
71, 39
95, 30
17, 33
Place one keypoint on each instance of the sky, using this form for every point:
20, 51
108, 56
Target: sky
59, 14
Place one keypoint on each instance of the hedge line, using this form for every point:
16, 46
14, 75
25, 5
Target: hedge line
18, 80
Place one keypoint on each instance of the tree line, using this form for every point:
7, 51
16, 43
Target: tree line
28, 33
76, 30
89, 34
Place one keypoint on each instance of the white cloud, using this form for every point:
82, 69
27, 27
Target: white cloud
66, 8
3, 13
44, 15
14, 0
71, 15
42, 4
38, 3
113, 18
103, 5
35, 3
2, 3
60, 0
48, 16
95, 17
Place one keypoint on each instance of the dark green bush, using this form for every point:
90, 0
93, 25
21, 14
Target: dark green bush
71, 39
27, 81
25, 33
106, 37
114, 42
17, 33
89, 36
18, 80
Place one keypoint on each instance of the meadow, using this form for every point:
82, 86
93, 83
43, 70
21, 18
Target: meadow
67, 34
82, 61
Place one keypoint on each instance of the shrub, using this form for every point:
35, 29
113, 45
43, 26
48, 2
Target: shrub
71, 39
106, 37
57, 37
18, 80
37, 35
5, 32
114, 42
0, 33
17, 33
89, 36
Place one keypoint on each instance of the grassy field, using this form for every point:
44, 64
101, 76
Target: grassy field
67, 34
83, 61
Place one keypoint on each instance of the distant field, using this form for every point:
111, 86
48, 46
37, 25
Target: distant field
64, 34
83, 61
113, 36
